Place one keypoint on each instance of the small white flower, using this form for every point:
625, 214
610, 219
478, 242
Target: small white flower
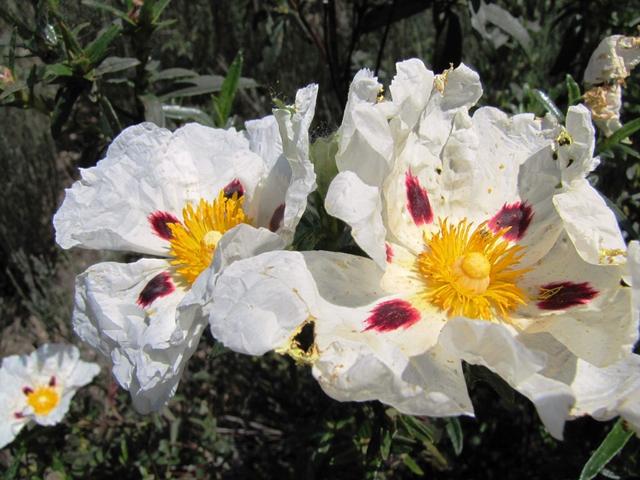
177, 196
39, 387
485, 235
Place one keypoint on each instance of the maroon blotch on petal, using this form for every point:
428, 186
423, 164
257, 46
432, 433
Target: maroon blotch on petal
391, 315
52, 381
389, 251
160, 223
276, 219
417, 200
159, 286
561, 295
517, 215
27, 390
18, 415
234, 187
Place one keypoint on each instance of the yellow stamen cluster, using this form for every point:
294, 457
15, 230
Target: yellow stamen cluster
194, 240
471, 272
43, 400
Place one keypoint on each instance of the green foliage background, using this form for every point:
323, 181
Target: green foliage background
84, 70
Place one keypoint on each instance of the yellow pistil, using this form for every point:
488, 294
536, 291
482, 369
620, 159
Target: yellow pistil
195, 239
43, 400
471, 272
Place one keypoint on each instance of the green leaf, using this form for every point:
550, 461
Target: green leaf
96, 51
417, 429
71, 44
177, 112
200, 85
548, 104
323, 156
172, 73
627, 130
158, 8
609, 448
116, 64
222, 103
573, 90
411, 464
55, 70
454, 431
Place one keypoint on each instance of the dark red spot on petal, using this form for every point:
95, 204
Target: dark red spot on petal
234, 187
518, 216
561, 295
160, 223
391, 315
417, 200
276, 219
18, 415
159, 286
389, 251
52, 381
27, 390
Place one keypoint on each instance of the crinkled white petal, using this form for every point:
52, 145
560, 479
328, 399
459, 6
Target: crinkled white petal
148, 347
259, 302
410, 90
496, 347
149, 169
588, 221
359, 205
364, 132
613, 59
11, 403
294, 130
576, 159
607, 317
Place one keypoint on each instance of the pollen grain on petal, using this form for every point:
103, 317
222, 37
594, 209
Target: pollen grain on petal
516, 216
159, 286
563, 295
391, 315
417, 200
160, 222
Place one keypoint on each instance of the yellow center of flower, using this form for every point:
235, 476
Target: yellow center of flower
195, 239
43, 400
471, 272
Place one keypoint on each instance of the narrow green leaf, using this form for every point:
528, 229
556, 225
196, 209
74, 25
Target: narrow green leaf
547, 103
454, 431
111, 115
96, 51
411, 464
55, 70
573, 90
116, 64
12, 19
222, 103
172, 73
71, 44
200, 85
177, 112
417, 429
609, 448
158, 8
627, 130
627, 150
108, 8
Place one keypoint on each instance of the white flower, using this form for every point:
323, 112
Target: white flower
608, 67
484, 235
39, 387
613, 60
177, 196
498, 16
